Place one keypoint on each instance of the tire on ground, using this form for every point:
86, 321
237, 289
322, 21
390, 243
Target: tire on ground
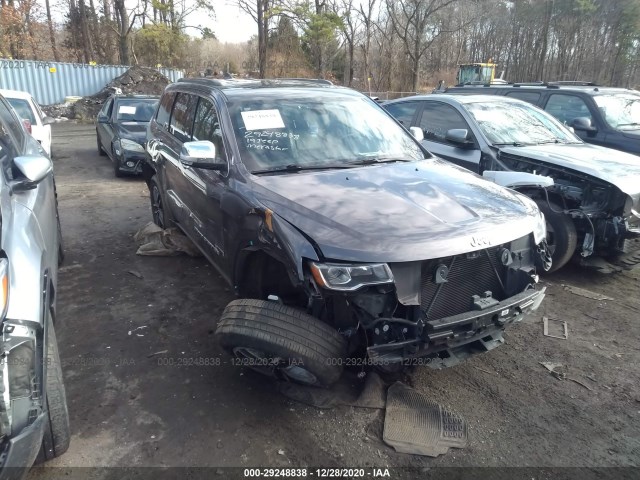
565, 236
57, 433
168, 218
285, 332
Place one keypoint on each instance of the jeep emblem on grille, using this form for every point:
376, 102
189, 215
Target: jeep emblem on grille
480, 241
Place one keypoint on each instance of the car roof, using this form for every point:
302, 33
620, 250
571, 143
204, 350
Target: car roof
119, 96
15, 94
243, 87
590, 89
462, 99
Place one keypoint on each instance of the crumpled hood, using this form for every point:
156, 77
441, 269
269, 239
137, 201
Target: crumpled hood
397, 212
618, 168
136, 131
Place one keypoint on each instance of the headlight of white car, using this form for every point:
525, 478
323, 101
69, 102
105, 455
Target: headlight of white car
131, 146
342, 277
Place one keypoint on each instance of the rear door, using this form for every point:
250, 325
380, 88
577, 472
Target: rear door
435, 119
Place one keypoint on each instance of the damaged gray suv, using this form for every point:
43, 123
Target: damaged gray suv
346, 242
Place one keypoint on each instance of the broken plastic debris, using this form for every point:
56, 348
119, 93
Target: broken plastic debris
154, 241
563, 334
585, 293
137, 328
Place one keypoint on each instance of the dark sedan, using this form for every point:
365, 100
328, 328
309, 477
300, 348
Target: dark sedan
121, 129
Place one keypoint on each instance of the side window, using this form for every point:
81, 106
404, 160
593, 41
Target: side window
437, 118
531, 97
567, 108
13, 124
207, 126
181, 124
403, 111
164, 110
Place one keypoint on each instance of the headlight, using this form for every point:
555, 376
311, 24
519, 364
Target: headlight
337, 276
4, 287
540, 228
131, 145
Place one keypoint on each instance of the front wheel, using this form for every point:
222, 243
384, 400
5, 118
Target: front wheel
57, 433
562, 238
281, 342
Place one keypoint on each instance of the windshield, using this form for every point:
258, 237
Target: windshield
23, 109
329, 131
511, 123
620, 111
135, 109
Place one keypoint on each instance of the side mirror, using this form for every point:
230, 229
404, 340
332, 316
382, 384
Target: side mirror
34, 169
103, 119
582, 123
459, 136
201, 154
48, 120
417, 133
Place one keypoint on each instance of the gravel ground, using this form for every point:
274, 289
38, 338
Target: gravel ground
131, 408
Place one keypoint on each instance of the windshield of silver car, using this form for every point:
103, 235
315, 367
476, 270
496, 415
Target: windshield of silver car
515, 123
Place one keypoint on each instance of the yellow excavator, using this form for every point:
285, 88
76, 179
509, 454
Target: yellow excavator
478, 73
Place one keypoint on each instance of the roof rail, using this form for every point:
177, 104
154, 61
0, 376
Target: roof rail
320, 81
203, 80
574, 82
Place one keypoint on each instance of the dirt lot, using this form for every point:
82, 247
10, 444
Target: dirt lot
130, 409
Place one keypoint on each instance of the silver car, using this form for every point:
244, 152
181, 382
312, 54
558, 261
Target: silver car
34, 422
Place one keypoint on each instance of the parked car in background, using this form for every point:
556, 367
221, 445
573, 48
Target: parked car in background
590, 195
35, 121
341, 235
121, 129
34, 422
604, 116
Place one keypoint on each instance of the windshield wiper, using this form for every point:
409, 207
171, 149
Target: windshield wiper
632, 124
292, 168
374, 161
510, 144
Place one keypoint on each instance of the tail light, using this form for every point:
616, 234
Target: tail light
4, 286
27, 124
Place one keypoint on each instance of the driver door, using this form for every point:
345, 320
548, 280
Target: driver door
435, 120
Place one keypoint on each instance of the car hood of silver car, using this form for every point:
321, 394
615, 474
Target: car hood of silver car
617, 168
397, 212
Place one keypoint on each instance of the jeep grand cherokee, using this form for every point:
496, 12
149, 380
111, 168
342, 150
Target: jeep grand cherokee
341, 235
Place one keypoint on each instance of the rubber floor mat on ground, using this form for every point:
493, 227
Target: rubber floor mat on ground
416, 425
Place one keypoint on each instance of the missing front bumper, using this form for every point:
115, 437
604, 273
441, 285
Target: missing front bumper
447, 341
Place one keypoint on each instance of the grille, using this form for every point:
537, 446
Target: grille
469, 274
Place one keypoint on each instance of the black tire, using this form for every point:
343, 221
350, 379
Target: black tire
60, 244
57, 434
562, 238
101, 151
161, 215
294, 346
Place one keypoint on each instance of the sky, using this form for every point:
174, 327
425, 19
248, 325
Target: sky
230, 24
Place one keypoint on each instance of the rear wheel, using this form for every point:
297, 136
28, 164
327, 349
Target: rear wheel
161, 216
57, 433
562, 238
281, 342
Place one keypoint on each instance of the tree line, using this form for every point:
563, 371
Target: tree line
377, 45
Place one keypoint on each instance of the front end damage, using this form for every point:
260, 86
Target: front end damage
21, 402
434, 312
